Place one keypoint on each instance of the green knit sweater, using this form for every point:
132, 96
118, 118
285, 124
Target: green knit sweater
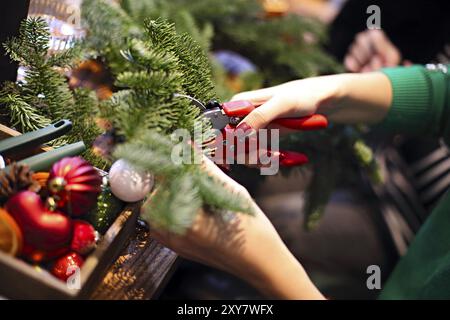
421, 104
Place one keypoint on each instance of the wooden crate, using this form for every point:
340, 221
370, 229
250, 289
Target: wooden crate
20, 280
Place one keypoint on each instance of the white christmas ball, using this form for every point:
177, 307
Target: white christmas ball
129, 184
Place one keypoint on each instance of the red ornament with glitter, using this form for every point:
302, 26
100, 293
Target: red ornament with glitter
67, 265
75, 185
84, 237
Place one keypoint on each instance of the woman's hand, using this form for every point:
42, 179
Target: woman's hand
249, 246
246, 246
345, 98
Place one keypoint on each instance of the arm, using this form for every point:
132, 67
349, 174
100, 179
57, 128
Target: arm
249, 246
246, 246
344, 98
412, 99
420, 100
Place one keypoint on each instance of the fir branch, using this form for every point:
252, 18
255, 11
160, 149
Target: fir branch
320, 189
32, 44
193, 62
239, 25
158, 67
156, 82
186, 23
181, 65
109, 27
152, 153
43, 85
22, 115
44, 96
141, 54
209, 189
66, 58
182, 189
175, 206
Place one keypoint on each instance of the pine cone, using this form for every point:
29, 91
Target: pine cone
19, 178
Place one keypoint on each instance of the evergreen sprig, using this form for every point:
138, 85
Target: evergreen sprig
192, 60
179, 65
145, 110
142, 10
160, 65
139, 50
284, 48
23, 115
44, 95
43, 85
109, 28
106, 39
182, 188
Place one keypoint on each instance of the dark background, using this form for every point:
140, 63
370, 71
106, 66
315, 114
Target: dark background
12, 12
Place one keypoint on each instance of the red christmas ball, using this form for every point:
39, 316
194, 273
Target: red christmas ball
45, 232
67, 265
38, 256
84, 237
75, 184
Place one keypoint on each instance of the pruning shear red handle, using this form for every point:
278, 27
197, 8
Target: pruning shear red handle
241, 109
226, 116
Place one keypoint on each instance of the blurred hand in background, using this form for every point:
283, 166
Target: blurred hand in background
372, 50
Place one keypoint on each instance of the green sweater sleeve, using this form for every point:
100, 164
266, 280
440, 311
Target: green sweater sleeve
420, 103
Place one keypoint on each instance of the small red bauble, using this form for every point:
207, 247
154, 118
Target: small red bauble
75, 184
67, 265
44, 232
84, 237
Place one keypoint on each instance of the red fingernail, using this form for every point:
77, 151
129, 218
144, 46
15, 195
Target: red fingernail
245, 128
292, 159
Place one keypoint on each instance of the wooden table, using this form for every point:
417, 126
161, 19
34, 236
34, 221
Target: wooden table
141, 271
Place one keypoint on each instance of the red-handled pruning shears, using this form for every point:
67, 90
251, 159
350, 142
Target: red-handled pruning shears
226, 116
240, 109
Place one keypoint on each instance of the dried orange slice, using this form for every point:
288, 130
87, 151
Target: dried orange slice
41, 178
275, 8
11, 239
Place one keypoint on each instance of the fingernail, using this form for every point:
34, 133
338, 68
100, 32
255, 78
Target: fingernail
248, 130
292, 159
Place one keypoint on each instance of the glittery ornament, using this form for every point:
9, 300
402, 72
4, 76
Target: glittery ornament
129, 184
75, 185
84, 237
67, 265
